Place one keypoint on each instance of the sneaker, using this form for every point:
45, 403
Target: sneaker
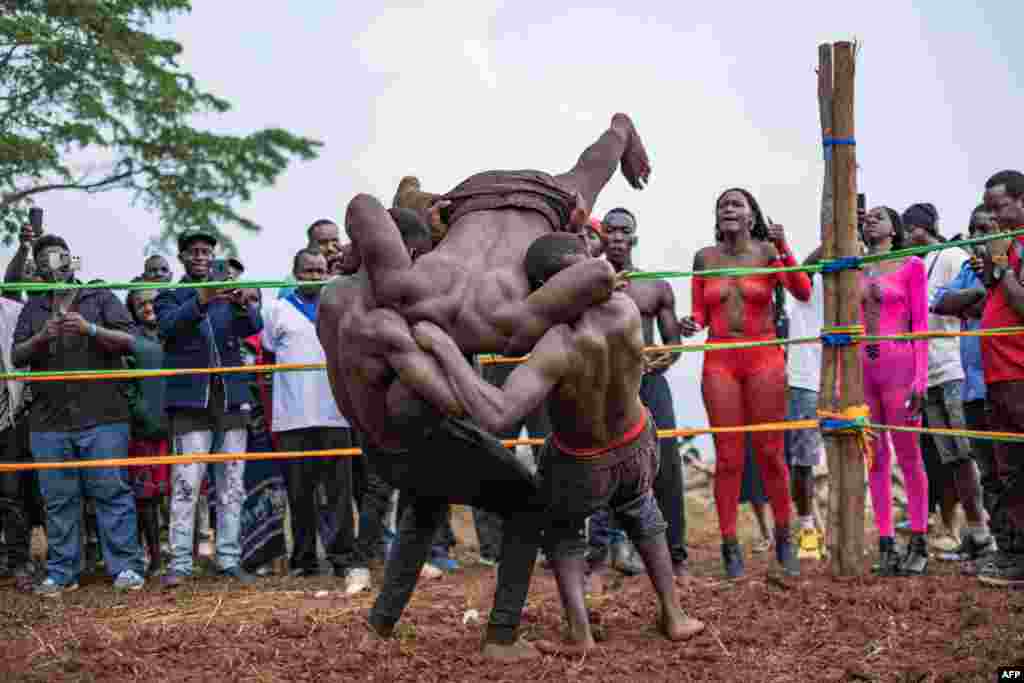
429, 571
52, 589
680, 569
128, 580
732, 558
491, 561
973, 550
946, 543
238, 574
597, 558
809, 544
446, 564
1008, 574
172, 580
357, 580
785, 553
626, 560
915, 562
25, 577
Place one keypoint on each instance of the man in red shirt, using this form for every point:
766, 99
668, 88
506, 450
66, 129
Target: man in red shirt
1003, 360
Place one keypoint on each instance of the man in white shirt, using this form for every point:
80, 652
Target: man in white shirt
803, 377
944, 403
305, 418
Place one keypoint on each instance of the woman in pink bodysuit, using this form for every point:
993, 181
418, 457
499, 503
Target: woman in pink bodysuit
894, 299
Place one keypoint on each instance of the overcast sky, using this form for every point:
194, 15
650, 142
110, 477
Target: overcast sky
724, 94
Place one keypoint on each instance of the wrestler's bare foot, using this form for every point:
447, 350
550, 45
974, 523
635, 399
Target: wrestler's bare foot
635, 164
510, 652
676, 626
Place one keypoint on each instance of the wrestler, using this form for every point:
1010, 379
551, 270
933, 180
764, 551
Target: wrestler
745, 386
472, 285
378, 375
603, 449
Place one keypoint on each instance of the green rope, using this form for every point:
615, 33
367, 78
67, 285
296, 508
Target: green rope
817, 267
230, 284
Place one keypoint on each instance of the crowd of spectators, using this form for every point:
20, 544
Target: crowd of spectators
146, 519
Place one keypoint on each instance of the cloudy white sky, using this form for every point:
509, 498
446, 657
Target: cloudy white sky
723, 93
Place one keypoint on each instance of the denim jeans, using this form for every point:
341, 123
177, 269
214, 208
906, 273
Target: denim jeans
62, 493
186, 479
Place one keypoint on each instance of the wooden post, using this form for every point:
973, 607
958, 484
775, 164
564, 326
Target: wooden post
849, 544
827, 399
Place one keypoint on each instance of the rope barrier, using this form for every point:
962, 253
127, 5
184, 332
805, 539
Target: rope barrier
853, 419
834, 336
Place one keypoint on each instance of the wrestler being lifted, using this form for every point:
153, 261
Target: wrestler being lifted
603, 450
474, 286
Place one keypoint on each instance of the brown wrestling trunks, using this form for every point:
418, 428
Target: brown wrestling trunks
533, 190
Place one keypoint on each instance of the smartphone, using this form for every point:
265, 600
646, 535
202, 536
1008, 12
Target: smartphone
219, 270
76, 264
35, 219
862, 202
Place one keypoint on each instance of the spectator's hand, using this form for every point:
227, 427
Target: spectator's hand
348, 260
208, 294
777, 235
51, 330
689, 326
657, 361
621, 281
28, 236
74, 324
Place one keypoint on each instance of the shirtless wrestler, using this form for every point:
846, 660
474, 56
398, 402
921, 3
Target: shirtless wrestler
377, 374
603, 449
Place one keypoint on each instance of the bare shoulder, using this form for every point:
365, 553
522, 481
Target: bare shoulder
705, 256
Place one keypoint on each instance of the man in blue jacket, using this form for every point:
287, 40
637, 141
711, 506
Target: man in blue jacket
204, 328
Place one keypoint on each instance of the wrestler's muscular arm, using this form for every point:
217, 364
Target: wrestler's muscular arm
493, 408
562, 299
381, 250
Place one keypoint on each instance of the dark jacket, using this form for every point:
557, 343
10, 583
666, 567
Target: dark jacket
210, 338
67, 406
146, 395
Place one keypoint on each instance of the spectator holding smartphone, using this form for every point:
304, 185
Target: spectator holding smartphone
204, 328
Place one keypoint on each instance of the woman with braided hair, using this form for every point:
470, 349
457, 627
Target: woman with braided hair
894, 301
745, 386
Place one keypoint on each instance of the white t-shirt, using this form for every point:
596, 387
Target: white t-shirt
803, 362
302, 398
944, 363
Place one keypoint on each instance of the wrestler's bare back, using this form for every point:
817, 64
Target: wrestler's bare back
473, 283
367, 347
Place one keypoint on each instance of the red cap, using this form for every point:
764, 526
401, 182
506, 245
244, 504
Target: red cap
596, 226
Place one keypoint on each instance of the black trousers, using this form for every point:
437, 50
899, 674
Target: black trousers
14, 520
304, 476
453, 461
538, 426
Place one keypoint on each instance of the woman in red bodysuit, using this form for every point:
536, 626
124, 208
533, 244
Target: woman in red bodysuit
745, 386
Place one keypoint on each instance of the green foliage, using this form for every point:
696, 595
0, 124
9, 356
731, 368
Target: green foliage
90, 100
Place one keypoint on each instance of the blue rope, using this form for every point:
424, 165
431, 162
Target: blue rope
837, 339
838, 264
828, 142
832, 424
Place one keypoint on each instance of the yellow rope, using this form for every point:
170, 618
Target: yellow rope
851, 420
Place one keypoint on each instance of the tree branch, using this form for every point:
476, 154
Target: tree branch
13, 197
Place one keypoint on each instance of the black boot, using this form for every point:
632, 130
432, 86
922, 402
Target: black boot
888, 557
732, 558
785, 552
915, 562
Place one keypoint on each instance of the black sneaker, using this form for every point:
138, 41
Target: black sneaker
973, 550
732, 558
1008, 574
888, 557
915, 562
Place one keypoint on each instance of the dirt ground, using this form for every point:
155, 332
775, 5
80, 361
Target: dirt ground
940, 628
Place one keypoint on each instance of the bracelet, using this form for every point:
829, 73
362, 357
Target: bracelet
93, 330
